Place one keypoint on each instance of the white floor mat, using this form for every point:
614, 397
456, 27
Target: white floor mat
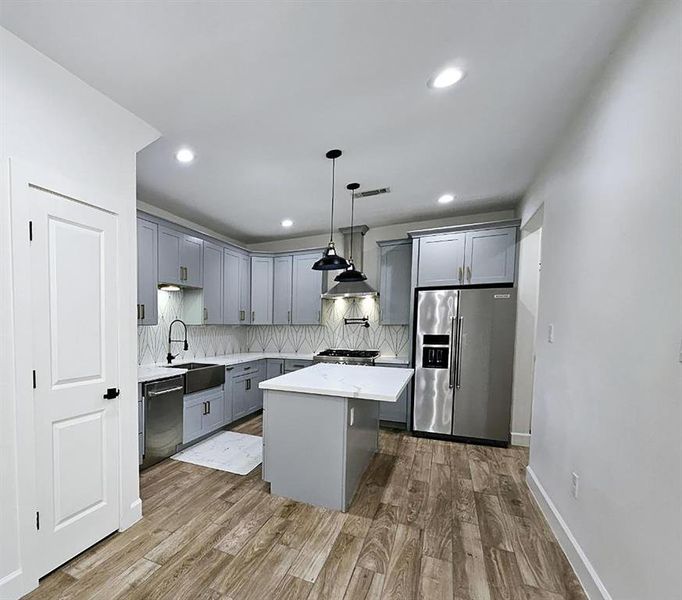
230, 451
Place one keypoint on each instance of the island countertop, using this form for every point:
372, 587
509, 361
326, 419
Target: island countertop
383, 384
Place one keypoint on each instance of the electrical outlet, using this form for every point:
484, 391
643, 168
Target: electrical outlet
575, 482
550, 333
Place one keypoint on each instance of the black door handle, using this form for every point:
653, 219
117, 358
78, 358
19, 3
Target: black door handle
112, 393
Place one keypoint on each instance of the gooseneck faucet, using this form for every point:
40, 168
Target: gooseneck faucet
169, 356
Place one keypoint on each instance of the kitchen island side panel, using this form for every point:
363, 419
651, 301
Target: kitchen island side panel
304, 442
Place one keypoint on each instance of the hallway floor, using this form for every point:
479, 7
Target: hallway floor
431, 520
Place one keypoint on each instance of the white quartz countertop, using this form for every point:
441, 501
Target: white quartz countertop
384, 384
160, 371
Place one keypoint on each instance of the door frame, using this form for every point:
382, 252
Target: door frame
22, 177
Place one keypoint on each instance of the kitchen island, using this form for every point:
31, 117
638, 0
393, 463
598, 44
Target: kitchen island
321, 429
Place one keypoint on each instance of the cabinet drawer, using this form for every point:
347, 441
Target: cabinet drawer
293, 364
245, 369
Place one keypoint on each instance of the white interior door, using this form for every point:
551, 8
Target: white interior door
75, 346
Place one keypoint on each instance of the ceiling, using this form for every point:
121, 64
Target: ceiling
262, 90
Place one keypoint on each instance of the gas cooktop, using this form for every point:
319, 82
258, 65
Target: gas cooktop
347, 356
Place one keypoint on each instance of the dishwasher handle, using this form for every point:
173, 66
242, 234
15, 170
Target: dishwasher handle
161, 393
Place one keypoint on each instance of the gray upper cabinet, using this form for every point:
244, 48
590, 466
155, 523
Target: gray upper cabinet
394, 282
213, 285
490, 255
231, 287
147, 272
245, 289
281, 311
180, 258
441, 259
169, 255
191, 261
261, 290
307, 287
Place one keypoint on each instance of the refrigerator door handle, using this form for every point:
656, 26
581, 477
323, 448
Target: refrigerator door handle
458, 370
453, 346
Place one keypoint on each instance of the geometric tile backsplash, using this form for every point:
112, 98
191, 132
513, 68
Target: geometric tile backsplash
215, 340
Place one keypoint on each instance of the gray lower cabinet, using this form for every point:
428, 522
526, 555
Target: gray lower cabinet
282, 279
261, 290
306, 303
490, 256
147, 272
441, 259
394, 281
274, 368
396, 412
247, 397
203, 412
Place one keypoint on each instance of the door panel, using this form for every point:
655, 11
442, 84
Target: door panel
245, 289
75, 345
433, 386
261, 290
490, 256
191, 255
169, 256
147, 272
231, 283
213, 284
441, 260
486, 355
307, 288
281, 311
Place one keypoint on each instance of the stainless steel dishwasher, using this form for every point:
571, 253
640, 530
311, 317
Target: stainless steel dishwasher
162, 419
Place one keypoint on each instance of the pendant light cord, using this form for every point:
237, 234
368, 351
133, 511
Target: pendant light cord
331, 224
352, 212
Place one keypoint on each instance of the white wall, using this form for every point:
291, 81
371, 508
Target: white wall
528, 279
52, 120
608, 392
375, 234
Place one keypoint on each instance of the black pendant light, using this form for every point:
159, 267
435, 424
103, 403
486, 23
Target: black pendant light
330, 260
351, 273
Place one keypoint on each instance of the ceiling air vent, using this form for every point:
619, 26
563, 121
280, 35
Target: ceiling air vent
378, 191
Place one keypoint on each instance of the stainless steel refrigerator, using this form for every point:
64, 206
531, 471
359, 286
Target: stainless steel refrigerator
464, 352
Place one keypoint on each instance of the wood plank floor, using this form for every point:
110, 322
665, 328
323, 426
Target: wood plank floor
431, 520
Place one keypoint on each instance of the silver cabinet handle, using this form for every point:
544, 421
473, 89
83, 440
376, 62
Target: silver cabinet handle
469, 274
204, 405
288, 316
248, 384
205, 314
241, 315
168, 391
453, 345
142, 307
209, 407
281, 368
460, 274
460, 334
182, 273
138, 312
253, 316
229, 368
246, 368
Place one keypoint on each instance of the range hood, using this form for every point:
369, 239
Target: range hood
352, 289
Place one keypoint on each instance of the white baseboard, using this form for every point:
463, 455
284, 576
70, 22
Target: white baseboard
11, 585
589, 579
131, 516
520, 439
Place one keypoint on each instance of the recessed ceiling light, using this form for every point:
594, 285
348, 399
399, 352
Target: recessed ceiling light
446, 78
287, 223
446, 198
184, 155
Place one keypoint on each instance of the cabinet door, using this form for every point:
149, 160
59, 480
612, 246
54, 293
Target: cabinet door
245, 289
147, 272
228, 397
307, 287
191, 254
214, 414
281, 292
441, 259
394, 287
395, 411
275, 368
169, 255
213, 285
192, 416
239, 398
231, 288
261, 290
490, 256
